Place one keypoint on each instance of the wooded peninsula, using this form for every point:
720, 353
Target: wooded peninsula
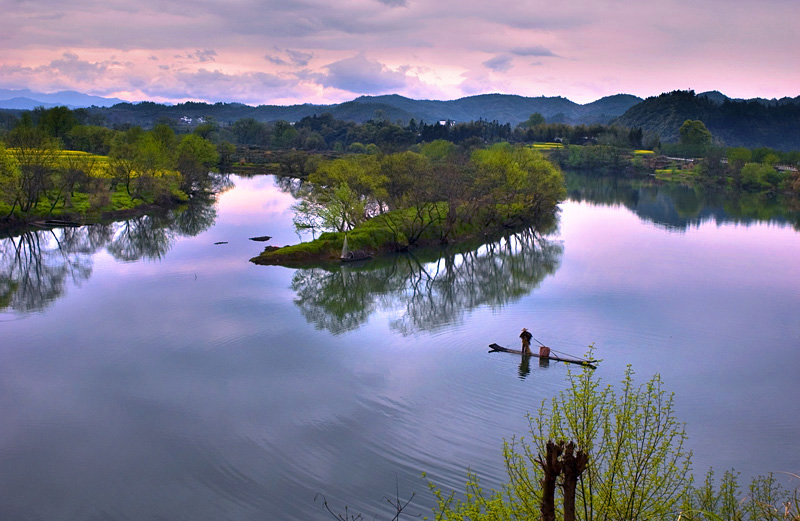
386, 186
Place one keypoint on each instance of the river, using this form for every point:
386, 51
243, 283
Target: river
147, 372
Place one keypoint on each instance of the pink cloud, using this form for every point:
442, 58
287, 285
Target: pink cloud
448, 48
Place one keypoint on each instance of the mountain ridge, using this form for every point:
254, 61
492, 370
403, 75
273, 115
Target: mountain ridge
26, 99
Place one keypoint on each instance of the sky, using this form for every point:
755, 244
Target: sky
282, 52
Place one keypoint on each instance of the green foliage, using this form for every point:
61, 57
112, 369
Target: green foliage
430, 196
593, 157
694, 133
738, 156
755, 177
517, 182
341, 194
764, 500
283, 135
534, 119
9, 177
736, 123
196, 157
638, 465
55, 122
438, 150
48, 181
89, 138
248, 131
336, 207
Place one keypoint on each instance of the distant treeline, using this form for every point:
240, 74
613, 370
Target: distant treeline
84, 130
750, 124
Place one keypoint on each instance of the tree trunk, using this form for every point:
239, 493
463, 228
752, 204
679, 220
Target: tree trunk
551, 465
573, 463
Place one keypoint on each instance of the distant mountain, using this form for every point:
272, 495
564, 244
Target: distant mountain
508, 108
20, 103
28, 100
751, 123
504, 108
720, 98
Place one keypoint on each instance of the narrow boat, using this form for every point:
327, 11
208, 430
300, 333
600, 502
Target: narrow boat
351, 256
495, 348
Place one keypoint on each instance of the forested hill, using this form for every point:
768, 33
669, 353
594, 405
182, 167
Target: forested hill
746, 123
504, 108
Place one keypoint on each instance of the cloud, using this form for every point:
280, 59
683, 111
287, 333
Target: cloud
71, 66
414, 48
500, 63
203, 55
534, 50
298, 58
277, 60
361, 75
214, 85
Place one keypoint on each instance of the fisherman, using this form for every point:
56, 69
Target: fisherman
526, 341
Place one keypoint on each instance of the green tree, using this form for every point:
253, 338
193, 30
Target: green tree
438, 150
123, 154
56, 122
283, 135
515, 182
165, 136
533, 120
89, 138
9, 179
248, 131
35, 153
694, 137
757, 176
226, 151
196, 157
208, 130
638, 468
154, 163
336, 208
341, 194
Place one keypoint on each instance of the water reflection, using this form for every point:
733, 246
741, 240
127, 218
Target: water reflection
525, 365
429, 289
37, 265
678, 207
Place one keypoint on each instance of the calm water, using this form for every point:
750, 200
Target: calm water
149, 373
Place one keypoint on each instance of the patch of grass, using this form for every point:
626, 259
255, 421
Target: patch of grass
80, 203
120, 200
674, 174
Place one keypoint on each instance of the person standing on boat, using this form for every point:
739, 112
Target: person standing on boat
526, 341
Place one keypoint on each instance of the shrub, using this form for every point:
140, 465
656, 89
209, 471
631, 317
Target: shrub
638, 465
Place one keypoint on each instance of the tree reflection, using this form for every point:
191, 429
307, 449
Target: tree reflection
37, 265
147, 236
431, 289
678, 207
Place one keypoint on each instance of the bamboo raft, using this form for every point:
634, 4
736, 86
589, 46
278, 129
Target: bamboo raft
495, 348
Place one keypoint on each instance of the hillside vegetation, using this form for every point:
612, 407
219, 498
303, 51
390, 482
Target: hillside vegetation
751, 123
